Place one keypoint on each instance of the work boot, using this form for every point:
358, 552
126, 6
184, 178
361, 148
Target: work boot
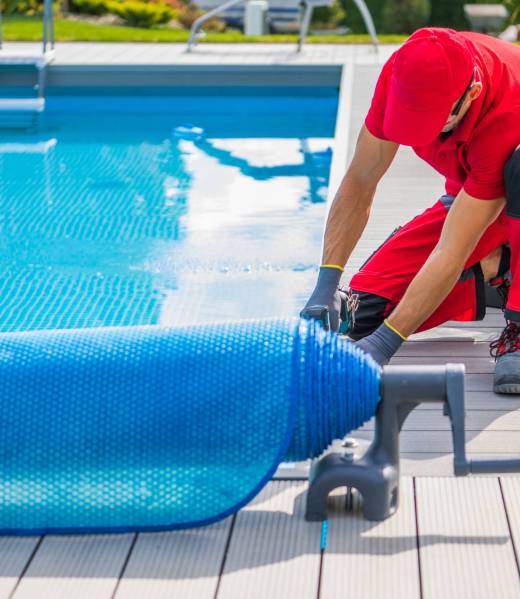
506, 351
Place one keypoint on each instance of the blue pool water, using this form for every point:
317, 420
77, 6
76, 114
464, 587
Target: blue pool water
111, 215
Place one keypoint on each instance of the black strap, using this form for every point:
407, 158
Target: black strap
480, 291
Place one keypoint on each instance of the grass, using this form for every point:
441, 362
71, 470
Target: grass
24, 29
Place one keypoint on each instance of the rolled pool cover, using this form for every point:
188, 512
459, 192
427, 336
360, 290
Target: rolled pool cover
151, 428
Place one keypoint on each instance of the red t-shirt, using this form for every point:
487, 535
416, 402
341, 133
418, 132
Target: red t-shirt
474, 155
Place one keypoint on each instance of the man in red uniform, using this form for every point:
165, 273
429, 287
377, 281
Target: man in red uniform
455, 99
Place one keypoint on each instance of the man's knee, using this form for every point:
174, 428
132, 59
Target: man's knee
512, 184
366, 312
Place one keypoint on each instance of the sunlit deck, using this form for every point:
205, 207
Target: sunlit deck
451, 537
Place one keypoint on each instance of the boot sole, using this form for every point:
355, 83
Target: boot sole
509, 388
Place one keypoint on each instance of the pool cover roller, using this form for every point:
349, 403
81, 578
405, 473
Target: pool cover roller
150, 428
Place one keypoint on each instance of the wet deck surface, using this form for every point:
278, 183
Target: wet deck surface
451, 537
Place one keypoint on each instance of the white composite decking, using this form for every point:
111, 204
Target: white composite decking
88, 53
451, 538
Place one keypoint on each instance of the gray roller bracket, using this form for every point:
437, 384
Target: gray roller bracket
375, 475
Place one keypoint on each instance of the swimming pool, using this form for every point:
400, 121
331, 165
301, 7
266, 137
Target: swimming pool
127, 210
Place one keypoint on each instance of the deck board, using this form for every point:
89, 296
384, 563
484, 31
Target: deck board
473, 365
372, 559
476, 421
274, 552
511, 494
79, 566
15, 553
166, 53
446, 349
465, 546
483, 442
180, 564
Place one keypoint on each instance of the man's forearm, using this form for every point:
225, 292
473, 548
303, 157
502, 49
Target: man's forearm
347, 220
427, 291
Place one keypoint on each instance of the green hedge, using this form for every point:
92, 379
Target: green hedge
140, 14
133, 12
449, 13
353, 17
333, 15
90, 7
390, 16
404, 16
444, 13
514, 8
26, 7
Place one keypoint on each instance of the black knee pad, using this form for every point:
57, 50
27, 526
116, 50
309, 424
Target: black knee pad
512, 184
366, 312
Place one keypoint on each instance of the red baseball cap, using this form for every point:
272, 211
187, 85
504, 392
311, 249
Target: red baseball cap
431, 71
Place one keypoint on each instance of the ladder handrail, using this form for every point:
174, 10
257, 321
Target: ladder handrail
308, 5
360, 4
208, 15
369, 22
48, 26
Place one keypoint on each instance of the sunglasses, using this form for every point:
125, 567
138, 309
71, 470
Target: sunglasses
456, 109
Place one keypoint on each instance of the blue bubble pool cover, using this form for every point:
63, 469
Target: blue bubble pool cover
149, 428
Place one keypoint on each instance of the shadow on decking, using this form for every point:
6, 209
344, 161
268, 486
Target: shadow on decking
290, 536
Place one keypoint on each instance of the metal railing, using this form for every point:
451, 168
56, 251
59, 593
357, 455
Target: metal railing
309, 6
362, 7
197, 24
48, 37
369, 22
48, 26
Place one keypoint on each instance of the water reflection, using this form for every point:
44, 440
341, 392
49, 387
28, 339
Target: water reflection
96, 230
315, 166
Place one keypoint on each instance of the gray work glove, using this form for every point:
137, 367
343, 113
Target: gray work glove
327, 303
381, 344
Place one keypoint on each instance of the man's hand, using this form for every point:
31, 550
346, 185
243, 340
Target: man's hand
467, 220
326, 296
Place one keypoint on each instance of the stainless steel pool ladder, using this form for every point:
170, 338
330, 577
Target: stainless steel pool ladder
308, 6
23, 111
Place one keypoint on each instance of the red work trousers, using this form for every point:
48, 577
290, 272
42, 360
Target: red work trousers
389, 271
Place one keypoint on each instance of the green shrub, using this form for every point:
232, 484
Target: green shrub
189, 13
514, 8
449, 13
90, 7
140, 14
353, 18
444, 13
214, 25
176, 5
404, 16
24, 7
29, 8
331, 16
